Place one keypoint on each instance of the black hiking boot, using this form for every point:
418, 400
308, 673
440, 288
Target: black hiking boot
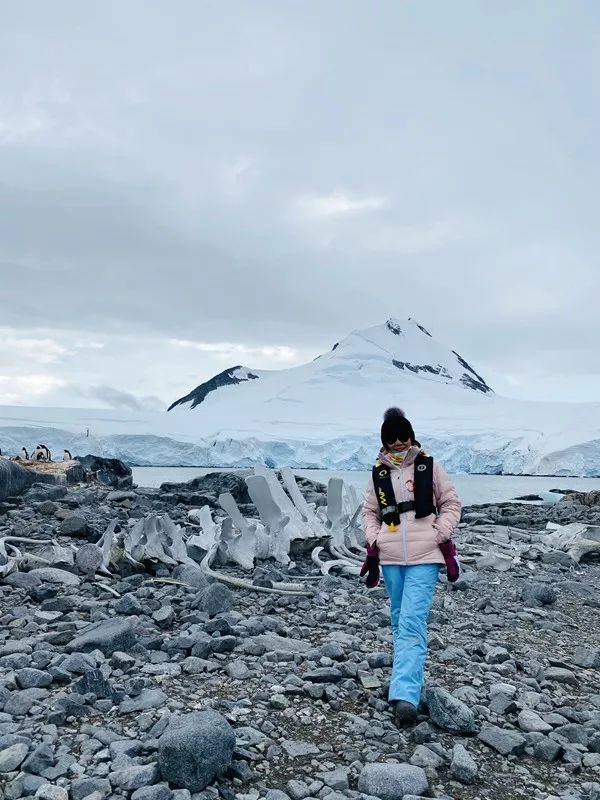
404, 713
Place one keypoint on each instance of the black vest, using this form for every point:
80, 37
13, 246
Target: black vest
423, 505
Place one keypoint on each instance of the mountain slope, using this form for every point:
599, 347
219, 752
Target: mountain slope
327, 414
394, 362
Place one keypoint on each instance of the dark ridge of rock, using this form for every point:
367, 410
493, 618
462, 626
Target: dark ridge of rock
110, 471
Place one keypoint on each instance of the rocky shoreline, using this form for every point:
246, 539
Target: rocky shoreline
158, 684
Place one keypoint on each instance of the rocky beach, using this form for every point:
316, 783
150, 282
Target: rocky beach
158, 682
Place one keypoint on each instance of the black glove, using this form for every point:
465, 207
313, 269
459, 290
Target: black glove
370, 567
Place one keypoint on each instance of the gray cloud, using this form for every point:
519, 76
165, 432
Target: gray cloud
115, 398
269, 176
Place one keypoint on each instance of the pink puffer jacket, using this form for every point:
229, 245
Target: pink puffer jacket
416, 540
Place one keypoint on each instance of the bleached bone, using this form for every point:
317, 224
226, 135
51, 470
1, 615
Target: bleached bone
208, 535
497, 561
307, 513
272, 517
156, 538
245, 540
335, 505
240, 583
326, 566
299, 528
106, 544
10, 561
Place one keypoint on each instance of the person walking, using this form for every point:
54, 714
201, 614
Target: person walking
410, 511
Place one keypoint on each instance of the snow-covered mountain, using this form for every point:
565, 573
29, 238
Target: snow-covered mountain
384, 353
327, 414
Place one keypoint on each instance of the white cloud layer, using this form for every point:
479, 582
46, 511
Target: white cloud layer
263, 179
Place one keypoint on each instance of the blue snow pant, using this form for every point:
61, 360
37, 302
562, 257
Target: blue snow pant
411, 590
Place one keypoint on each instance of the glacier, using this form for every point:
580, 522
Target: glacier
326, 414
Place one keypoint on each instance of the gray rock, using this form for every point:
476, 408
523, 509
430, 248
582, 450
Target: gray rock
54, 575
589, 659
426, 758
19, 703
84, 787
88, 559
40, 760
158, 792
164, 617
119, 496
547, 749
276, 794
561, 675
530, 722
296, 749
149, 698
392, 781
195, 749
47, 791
29, 678
238, 670
449, 713
337, 779
135, 777
323, 675
94, 681
504, 741
78, 663
215, 599
128, 604
13, 756
463, 766
108, 635
297, 790
539, 594
193, 576
74, 526
273, 643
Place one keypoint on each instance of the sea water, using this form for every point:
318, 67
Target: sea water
472, 489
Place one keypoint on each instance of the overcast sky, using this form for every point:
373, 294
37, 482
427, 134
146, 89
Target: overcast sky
190, 185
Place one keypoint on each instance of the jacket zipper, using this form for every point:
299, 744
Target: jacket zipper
403, 520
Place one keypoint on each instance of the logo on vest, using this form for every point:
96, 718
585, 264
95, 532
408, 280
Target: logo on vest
422, 467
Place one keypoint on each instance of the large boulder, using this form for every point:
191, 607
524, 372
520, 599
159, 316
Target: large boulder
214, 483
14, 478
195, 749
110, 471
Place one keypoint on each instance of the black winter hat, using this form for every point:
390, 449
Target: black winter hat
396, 426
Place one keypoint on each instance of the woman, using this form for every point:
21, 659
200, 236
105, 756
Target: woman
410, 511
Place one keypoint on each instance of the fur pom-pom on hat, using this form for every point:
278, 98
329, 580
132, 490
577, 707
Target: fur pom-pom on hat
394, 411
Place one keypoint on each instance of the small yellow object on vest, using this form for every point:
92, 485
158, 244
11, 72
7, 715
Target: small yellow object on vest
392, 527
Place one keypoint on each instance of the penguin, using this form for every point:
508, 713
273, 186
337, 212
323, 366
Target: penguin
67, 455
47, 453
24, 454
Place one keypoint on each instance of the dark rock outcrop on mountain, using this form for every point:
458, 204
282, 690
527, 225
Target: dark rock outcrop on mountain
229, 377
